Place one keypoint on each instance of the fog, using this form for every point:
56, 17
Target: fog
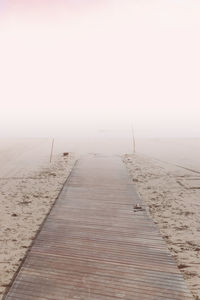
94, 68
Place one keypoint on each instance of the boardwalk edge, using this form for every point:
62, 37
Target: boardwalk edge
37, 233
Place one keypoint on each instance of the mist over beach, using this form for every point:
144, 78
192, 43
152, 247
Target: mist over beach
85, 73
115, 78
30, 152
80, 68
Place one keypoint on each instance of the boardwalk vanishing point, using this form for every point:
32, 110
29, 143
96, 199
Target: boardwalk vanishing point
95, 246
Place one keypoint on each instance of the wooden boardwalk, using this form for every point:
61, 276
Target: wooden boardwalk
94, 246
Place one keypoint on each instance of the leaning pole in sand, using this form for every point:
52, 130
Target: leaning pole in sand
133, 138
51, 155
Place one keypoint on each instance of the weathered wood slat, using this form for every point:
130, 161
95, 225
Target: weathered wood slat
94, 246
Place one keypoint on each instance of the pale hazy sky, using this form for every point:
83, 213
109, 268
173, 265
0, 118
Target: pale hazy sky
81, 66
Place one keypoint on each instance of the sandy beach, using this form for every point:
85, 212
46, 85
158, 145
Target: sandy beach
26, 196
172, 196
29, 185
101, 78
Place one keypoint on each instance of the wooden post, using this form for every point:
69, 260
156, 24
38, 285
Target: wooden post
133, 137
51, 155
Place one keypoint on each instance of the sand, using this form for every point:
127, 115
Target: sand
179, 151
172, 195
29, 186
26, 196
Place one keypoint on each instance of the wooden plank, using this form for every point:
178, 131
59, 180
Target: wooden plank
95, 246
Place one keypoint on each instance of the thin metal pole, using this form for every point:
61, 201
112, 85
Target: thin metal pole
51, 155
133, 137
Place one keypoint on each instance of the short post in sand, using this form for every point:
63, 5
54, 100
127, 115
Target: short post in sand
133, 138
51, 155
